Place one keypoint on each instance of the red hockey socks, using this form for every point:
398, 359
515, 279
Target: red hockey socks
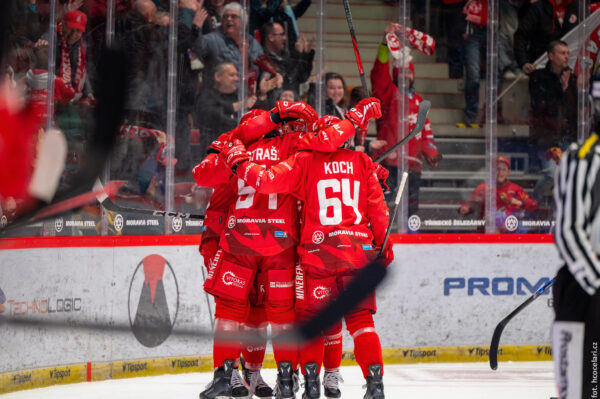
367, 351
312, 352
332, 357
256, 324
224, 347
284, 351
367, 347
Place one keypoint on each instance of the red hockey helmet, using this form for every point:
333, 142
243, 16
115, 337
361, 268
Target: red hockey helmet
252, 114
324, 122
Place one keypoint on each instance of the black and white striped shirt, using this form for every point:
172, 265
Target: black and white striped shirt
577, 198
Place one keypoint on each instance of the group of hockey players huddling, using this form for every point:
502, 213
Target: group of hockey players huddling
293, 215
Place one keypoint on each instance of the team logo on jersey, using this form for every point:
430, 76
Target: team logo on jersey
318, 237
58, 224
367, 247
231, 222
118, 223
229, 278
511, 223
321, 292
153, 301
177, 224
414, 223
280, 234
572, 19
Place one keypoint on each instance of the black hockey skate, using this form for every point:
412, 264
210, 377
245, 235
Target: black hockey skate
375, 383
256, 384
285, 381
219, 387
312, 384
331, 380
238, 388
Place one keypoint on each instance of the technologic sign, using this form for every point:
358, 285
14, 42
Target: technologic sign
153, 301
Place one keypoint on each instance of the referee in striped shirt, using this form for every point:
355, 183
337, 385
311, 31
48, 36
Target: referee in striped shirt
576, 328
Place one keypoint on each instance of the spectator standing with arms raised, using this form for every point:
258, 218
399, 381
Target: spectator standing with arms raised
293, 65
422, 146
225, 42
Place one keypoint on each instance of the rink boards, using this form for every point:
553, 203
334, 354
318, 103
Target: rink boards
441, 302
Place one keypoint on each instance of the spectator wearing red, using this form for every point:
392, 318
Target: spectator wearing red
510, 197
71, 61
422, 146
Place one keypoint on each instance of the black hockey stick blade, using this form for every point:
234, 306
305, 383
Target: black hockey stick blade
104, 200
500, 327
59, 208
113, 70
5, 12
361, 70
394, 211
421, 119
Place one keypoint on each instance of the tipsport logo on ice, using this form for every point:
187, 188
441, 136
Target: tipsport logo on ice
153, 301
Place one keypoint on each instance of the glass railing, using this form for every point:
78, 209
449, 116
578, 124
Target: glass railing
501, 114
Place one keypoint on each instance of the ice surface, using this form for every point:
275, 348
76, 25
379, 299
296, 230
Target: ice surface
518, 380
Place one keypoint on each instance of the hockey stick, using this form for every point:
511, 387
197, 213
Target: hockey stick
500, 327
421, 119
210, 313
361, 71
396, 202
59, 208
107, 203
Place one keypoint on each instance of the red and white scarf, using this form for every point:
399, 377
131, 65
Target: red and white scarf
65, 64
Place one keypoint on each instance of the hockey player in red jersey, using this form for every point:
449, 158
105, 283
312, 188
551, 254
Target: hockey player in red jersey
214, 220
259, 242
344, 221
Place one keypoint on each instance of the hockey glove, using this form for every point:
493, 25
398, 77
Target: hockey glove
296, 110
364, 111
388, 254
234, 153
217, 146
382, 175
434, 161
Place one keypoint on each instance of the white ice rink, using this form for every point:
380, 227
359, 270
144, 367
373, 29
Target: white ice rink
520, 380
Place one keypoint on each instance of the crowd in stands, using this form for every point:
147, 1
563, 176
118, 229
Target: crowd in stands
228, 62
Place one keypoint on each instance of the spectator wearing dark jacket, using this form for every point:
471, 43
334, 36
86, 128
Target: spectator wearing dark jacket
293, 65
218, 105
553, 92
281, 12
544, 22
553, 123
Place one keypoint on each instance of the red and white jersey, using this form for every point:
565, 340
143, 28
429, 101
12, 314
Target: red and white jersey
266, 224
344, 213
419, 147
216, 213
